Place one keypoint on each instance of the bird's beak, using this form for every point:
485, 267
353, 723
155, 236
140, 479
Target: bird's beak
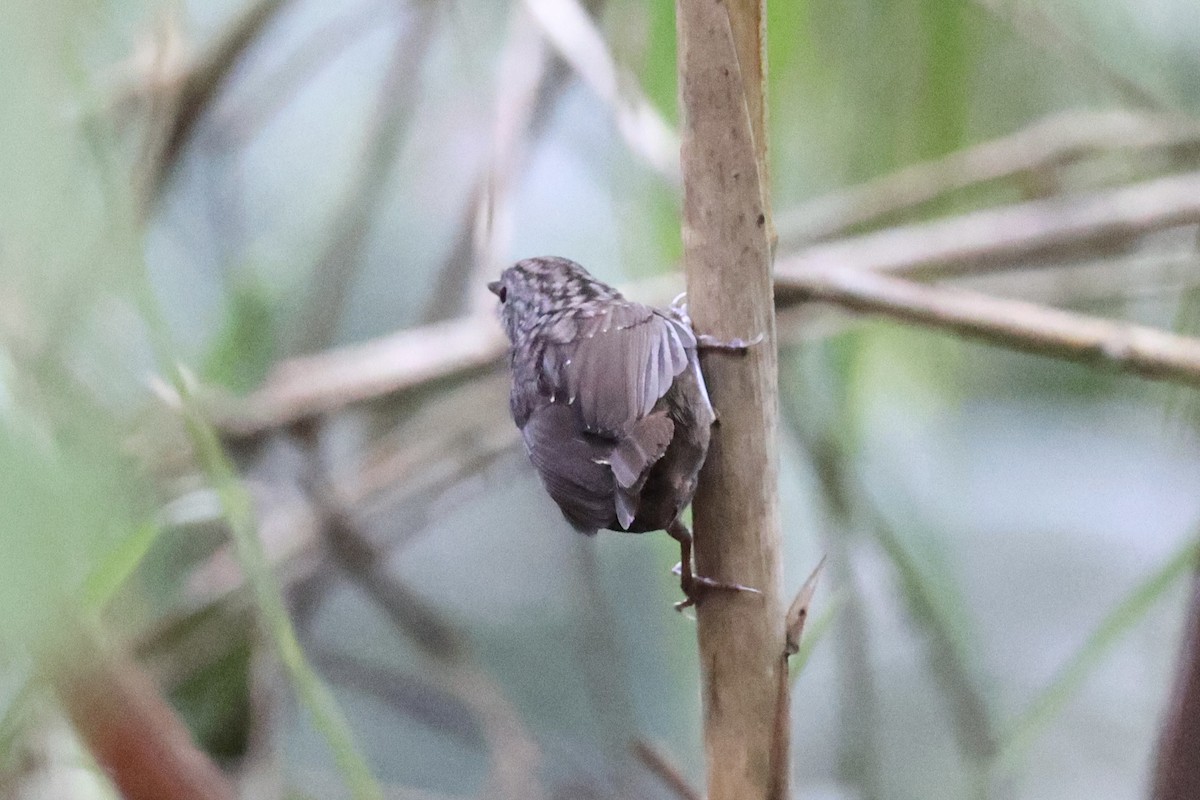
494, 287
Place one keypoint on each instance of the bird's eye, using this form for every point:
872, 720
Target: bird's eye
503, 293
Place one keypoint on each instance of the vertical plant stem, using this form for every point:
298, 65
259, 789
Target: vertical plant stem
1177, 771
727, 257
314, 695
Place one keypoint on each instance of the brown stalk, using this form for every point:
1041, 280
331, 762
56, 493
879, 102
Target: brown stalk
1177, 771
727, 261
131, 731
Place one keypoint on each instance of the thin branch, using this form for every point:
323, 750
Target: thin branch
1052, 142
366, 565
1060, 228
187, 101
569, 28
395, 109
1014, 324
655, 760
972, 722
244, 119
514, 753
310, 385
529, 82
416, 698
1066, 227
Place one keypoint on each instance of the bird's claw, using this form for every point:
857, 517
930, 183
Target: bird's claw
696, 586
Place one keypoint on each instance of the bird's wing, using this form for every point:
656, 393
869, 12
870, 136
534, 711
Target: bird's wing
618, 364
573, 466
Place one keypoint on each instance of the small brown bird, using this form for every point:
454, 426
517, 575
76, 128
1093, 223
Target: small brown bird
610, 401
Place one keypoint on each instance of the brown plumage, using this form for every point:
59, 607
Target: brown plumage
610, 401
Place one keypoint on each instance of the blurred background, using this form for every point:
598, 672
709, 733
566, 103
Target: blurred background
197, 196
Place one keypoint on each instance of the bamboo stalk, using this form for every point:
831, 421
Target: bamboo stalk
727, 260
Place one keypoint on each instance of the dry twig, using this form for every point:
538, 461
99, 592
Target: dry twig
311, 385
1052, 142
655, 760
1015, 324
1056, 229
567, 26
334, 273
184, 102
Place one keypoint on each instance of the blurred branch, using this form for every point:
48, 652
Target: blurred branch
1067, 227
529, 82
457, 435
431, 705
238, 510
404, 477
973, 725
840, 272
655, 760
1051, 142
260, 768
308, 385
334, 273
1014, 324
244, 119
569, 28
514, 754
181, 104
133, 733
1031, 21
1028, 725
366, 565
1177, 768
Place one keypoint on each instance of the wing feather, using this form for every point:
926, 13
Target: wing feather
622, 363
573, 467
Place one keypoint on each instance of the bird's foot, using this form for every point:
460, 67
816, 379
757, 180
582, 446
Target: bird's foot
696, 587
